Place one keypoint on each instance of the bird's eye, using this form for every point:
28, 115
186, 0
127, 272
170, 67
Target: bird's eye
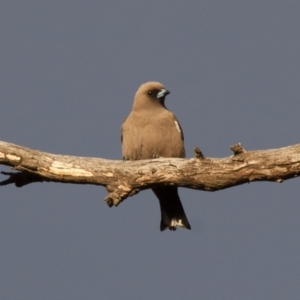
150, 93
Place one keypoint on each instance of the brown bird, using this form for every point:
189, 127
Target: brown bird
149, 131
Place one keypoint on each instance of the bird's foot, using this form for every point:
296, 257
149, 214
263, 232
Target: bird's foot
126, 158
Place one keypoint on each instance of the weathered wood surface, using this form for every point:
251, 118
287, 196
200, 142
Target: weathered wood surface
125, 178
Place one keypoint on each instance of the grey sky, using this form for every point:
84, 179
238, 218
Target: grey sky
69, 71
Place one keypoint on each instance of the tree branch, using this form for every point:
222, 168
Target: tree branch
126, 178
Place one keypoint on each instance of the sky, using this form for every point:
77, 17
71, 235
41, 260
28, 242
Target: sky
69, 72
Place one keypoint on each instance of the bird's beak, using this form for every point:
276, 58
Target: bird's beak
162, 93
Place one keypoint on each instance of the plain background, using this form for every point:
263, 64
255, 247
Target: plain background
69, 71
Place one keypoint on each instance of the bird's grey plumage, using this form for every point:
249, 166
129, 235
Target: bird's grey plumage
149, 131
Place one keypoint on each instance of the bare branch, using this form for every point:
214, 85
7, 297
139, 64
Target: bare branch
126, 178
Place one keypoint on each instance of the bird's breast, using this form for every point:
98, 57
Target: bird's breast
149, 137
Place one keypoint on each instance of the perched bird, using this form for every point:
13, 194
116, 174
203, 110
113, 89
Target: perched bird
151, 130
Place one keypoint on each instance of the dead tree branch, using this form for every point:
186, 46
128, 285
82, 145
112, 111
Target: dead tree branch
126, 178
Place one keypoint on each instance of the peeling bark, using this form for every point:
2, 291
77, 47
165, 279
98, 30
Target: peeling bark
126, 178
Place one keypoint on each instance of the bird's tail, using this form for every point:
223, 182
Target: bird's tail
172, 212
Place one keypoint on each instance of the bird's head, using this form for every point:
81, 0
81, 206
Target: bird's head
150, 94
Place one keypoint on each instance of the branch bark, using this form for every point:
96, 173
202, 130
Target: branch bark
126, 178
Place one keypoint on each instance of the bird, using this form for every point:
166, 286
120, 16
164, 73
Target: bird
151, 131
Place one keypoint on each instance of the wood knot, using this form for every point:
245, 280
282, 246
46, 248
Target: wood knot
198, 153
237, 149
